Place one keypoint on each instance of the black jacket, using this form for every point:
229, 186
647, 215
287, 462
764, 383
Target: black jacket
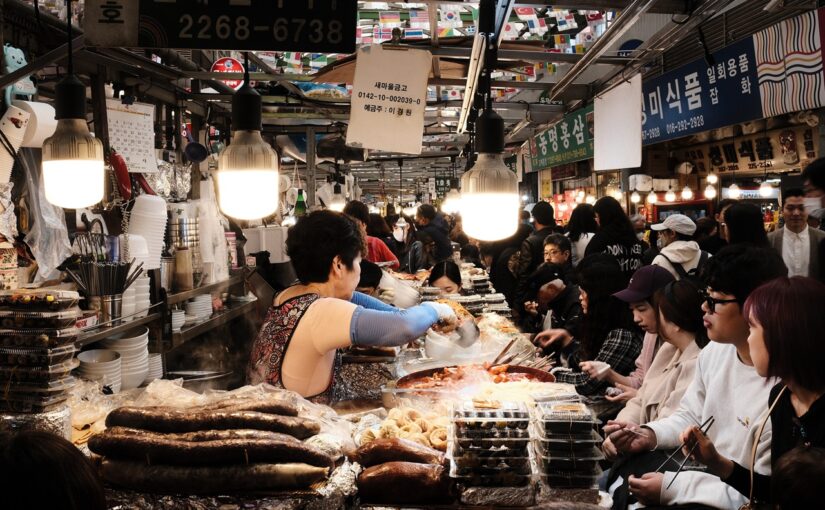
566, 310
531, 255
629, 256
437, 231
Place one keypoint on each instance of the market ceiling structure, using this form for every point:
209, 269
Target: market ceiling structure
552, 59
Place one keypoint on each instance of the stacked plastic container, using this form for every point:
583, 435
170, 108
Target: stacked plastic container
566, 445
37, 335
488, 447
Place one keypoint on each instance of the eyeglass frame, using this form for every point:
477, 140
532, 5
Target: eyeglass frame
712, 302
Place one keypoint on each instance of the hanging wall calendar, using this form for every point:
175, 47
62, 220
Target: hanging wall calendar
132, 134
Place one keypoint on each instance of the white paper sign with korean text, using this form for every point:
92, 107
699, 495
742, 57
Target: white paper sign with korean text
388, 99
132, 134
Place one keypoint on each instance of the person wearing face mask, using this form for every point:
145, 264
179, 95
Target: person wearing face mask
798, 243
813, 180
639, 225
678, 252
299, 345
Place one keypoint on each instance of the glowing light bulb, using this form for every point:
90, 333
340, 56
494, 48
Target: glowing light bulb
734, 192
712, 178
687, 193
710, 192
670, 196
652, 198
635, 197
765, 190
590, 199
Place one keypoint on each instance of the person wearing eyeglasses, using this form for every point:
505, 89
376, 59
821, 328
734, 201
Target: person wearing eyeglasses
785, 319
800, 245
559, 251
725, 386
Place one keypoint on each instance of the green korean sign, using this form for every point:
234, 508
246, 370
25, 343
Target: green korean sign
567, 141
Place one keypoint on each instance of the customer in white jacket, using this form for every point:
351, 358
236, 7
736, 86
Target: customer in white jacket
725, 387
679, 253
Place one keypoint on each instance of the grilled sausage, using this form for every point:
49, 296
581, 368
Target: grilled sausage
157, 449
404, 483
390, 450
208, 435
209, 480
181, 420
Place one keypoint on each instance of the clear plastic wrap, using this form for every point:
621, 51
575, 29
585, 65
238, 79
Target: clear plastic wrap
48, 237
57, 421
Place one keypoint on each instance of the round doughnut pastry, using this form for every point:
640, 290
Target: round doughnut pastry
395, 414
389, 429
411, 428
424, 425
368, 436
418, 438
412, 414
438, 439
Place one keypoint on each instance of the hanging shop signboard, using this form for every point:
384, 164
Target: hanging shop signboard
229, 65
389, 94
775, 71
567, 141
776, 150
326, 26
442, 186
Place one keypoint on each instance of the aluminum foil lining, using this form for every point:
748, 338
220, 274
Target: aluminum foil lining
499, 496
173, 181
57, 422
357, 381
331, 496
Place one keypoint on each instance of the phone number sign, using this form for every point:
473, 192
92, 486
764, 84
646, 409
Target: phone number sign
317, 26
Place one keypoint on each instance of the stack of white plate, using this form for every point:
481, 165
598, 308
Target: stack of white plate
133, 347
142, 301
148, 219
200, 307
101, 365
178, 318
155, 367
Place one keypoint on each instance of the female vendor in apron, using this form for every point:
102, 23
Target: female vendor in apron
298, 346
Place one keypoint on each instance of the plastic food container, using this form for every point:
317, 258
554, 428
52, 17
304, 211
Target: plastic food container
585, 462
25, 403
29, 357
563, 480
504, 479
45, 388
566, 444
491, 464
16, 374
38, 299
13, 319
38, 338
564, 418
502, 412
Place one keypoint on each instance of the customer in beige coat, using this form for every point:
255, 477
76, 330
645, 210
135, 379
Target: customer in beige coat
680, 326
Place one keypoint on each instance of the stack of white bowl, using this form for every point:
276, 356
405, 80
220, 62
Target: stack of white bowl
138, 249
155, 367
200, 307
178, 318
128, 306
148, 219
101, 365
133, 347
142, 300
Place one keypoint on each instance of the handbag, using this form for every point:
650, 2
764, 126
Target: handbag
751, 505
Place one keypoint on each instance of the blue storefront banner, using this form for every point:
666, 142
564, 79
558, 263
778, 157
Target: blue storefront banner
698, 97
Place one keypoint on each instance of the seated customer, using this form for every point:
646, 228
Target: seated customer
370, 279
446, 276
667, 379
725, 386
787, 325
638, 295
42, 470
299, 344
377, 250
606, 330
556, 304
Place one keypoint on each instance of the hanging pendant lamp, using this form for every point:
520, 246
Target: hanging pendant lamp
72, 158
247, 167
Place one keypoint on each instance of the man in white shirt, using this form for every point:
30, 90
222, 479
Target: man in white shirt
725, 386
797, 243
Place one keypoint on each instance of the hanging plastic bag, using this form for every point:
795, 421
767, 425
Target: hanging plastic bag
48, 237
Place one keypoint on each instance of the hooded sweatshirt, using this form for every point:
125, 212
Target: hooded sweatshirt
686, 253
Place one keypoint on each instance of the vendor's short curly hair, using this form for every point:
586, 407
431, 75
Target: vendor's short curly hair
315, 241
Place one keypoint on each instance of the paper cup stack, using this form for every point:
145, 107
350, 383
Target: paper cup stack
178, 318
155, 367
148, 220
200, 307
101, 365
133, 347
142, 301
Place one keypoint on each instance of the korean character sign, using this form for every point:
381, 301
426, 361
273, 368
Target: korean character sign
566, 141
701, 96
389, 95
